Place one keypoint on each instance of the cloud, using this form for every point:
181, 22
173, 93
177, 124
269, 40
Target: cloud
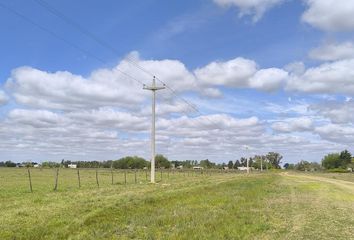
334, 77
240, 73
332, 52
104, 87
254, 8
269, 79
3, 98
293, 125
337, 112
336, 133
330, 15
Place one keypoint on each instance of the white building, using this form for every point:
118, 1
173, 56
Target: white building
198, 167
72, 165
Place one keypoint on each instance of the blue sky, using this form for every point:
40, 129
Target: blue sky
267, 75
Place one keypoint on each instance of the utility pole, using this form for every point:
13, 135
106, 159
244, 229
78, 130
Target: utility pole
153, 88
261, 163
248, 168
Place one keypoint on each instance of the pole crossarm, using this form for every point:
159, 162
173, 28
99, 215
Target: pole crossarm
153, 88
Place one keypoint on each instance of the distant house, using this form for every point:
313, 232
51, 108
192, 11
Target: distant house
242, 168
245, 168
36, 165
197, 167
180, 167
72, 165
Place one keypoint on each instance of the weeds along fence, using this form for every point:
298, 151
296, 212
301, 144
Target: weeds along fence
60, 179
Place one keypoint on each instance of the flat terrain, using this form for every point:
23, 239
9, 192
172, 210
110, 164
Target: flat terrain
276, 205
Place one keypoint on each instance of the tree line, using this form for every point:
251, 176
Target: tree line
339, 162
333, 162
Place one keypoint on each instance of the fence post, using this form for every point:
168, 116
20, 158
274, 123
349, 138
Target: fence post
112, 176
98, 184
30, 179
78, 177
135, 180
56, 180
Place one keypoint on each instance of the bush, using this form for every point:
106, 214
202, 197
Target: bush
337, 170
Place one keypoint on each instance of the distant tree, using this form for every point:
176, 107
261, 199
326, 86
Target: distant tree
2, 164
48, 164
345, 158
302, 166
10, 164
289, 166
162, 162
331, 161
206, 163
258, 161
133, 162
237, 164
243, 162
274, 159
230, 165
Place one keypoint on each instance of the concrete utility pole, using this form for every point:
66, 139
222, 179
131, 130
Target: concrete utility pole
248, 168
153, 88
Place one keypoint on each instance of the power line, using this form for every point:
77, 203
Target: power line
103, 43
87, 33
64, 40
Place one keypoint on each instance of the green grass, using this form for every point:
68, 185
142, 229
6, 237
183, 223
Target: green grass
220, 206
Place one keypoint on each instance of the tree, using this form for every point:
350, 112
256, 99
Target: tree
289, 166
331, 161
274, 159
10, 164
345, 158
206, 163
162, 162
230, 164
237, 164
258, 161
243, 162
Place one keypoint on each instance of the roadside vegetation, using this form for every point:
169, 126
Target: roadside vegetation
272, 205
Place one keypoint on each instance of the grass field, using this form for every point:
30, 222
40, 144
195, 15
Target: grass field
276, 205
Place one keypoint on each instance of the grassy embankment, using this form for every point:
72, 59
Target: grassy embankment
221, 206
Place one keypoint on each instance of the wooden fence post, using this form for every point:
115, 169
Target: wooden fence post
56, 180
78, 177
135, 179
112, 176
98, 184
30, 179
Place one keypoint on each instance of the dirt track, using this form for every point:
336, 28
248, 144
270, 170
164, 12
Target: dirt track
340, 183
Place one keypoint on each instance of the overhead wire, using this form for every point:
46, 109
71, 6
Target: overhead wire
106, 45
54, 34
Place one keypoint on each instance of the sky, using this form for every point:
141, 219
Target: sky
243, 78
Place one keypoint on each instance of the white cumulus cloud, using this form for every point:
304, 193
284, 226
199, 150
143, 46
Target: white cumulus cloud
328, 78
330, 15
333, 51
240, 73
3, 98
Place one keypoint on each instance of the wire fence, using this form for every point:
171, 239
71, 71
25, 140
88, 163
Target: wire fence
63, 179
